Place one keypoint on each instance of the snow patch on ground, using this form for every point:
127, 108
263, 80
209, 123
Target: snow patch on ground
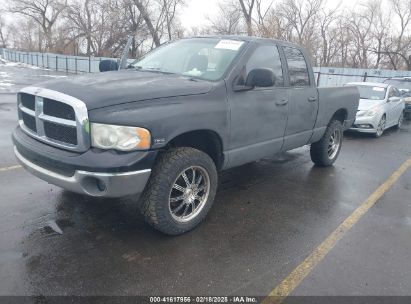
4, 85
21, 64
53, 76
5, 79
5, 75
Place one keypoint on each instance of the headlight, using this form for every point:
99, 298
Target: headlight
119, 138
371, 112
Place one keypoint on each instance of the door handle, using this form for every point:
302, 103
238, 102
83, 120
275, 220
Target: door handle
282, 102
312, 99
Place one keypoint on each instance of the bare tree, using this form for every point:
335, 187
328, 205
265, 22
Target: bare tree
170, 10
228, 19
148, 20
301, 17
3, 35
360, 25
375, 33
247, 7
329, 45
380, 32
82, 19
398, 46
43, 12
264, 22
134, 25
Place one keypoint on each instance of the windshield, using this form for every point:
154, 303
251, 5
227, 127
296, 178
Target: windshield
400, 84
372, 93
204, 58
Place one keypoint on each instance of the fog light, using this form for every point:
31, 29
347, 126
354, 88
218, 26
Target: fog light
93, 186
101, 185
365, 126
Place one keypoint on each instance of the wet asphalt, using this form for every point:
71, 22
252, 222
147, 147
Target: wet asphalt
267, 218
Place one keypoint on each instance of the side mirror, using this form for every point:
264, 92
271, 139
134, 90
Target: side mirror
108, 65
260, 78
393, 99
405, 92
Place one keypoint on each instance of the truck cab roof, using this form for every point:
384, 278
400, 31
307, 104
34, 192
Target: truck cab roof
249, 39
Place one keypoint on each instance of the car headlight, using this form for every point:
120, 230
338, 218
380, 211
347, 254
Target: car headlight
372, 112
119, 137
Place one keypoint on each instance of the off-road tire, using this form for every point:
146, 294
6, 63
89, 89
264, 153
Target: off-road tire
155, 198
319, 149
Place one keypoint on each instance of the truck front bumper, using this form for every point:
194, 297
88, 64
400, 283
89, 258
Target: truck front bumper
93, 173
91, 183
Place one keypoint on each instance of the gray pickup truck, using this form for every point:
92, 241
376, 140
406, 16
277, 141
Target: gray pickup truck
164, 127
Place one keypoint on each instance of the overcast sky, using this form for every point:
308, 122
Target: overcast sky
195, 12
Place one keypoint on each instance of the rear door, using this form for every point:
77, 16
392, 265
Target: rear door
303, 100
258, 116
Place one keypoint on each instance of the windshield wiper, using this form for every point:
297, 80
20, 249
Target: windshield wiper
151, 69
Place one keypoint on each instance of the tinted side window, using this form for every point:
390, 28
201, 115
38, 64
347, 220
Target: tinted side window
297, 67
267, 57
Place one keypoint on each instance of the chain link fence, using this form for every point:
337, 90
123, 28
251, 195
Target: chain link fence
325, 76
61, 63
328, 77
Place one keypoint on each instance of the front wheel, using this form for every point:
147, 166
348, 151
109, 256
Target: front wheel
381, 127
400, 121
180, 191
325, 152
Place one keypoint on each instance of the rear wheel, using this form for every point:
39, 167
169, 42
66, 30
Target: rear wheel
381, 127
180, 191
325, 152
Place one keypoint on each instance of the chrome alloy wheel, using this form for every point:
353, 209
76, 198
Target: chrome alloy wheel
189, 194
381, 126
334, 144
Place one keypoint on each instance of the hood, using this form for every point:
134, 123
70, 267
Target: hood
113, 88
368, 104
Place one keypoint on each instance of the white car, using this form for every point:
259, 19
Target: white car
381, 107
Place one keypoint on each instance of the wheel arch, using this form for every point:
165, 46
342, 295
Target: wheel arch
340, 115
205, 140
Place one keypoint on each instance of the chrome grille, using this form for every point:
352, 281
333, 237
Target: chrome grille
58, 109
29, 121
27, 101
55, 118
60, 133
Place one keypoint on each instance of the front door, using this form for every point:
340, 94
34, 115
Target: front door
394, 106
258, 116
